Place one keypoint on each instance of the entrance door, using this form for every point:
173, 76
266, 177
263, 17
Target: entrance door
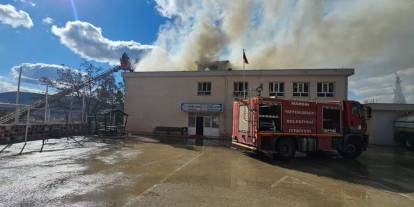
199, 125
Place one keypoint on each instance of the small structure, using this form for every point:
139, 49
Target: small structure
219, 65
111, 122
381, 125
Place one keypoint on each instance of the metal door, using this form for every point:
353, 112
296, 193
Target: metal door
200, 125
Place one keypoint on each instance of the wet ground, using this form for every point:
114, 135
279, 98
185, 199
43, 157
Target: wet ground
145, 172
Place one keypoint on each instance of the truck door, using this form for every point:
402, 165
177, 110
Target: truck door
243, 124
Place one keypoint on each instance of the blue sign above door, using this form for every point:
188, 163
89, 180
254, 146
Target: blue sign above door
201, 107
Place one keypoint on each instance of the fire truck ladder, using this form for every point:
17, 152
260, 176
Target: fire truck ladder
9, 118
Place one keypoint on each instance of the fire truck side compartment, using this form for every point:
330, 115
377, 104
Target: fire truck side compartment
312, 125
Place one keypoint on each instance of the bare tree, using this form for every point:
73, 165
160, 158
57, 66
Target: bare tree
101, 94
69, 79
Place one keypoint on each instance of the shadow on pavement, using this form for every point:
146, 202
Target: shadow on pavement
382, 168
188, 143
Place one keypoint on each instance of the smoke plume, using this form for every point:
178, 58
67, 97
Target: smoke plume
279, 33
376, 37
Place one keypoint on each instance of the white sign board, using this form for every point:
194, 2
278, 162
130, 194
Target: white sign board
201, 107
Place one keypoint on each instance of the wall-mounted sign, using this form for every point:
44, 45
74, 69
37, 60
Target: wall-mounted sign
201, 107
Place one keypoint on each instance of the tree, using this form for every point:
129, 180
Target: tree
98, 95
69, 79
90, 90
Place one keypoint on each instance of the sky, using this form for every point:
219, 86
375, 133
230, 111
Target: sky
376, 37
26, 36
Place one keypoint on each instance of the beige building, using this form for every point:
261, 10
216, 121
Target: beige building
202, 100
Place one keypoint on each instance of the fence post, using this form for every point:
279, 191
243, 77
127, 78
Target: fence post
27, 124
27, 129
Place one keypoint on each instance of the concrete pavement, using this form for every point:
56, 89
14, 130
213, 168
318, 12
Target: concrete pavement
145, 172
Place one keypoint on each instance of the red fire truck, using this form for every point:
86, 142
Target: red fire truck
283, 127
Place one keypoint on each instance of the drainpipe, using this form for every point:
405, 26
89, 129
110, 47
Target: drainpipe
225, 103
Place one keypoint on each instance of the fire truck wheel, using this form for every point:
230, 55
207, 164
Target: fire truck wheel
351, 150
285, 149
261, 155
316, 154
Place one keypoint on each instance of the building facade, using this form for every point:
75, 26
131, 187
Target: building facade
202, 100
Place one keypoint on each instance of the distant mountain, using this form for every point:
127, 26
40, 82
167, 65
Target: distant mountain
28, 98
25, 97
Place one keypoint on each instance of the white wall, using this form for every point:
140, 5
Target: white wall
381, 127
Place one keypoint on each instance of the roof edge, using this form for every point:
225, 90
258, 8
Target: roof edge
259, 72
391, 106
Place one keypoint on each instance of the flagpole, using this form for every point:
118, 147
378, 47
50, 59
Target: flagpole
244, 81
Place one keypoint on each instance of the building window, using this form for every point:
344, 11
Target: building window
301, 89
240, 89
207, 121
211, 121
276, 89
204, 89
326, 89
215, 122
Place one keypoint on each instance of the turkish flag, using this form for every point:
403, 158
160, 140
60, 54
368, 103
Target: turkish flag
245, 58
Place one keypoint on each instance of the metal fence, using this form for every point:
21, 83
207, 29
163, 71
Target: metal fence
41, 115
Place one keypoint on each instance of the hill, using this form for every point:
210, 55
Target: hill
25, 97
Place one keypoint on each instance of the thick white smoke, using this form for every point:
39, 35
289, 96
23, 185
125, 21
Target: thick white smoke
281, 33
376, 37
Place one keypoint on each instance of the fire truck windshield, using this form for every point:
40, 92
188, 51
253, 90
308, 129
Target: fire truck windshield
358, 110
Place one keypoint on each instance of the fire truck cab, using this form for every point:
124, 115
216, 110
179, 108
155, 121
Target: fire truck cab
283, 127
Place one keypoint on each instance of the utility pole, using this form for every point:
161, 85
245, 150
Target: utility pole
16, 115
47, 82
